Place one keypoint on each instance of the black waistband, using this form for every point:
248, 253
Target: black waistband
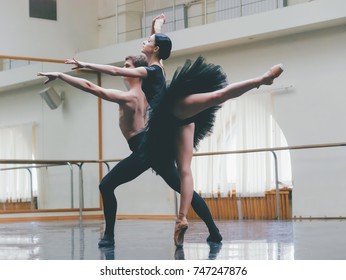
135, 141
183, 122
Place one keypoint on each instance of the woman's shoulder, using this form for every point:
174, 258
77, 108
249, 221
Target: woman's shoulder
156, 69
154, 66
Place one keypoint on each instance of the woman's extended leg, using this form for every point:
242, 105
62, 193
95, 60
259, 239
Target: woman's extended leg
195, 103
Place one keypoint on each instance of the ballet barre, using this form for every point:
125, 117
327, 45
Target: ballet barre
30, 164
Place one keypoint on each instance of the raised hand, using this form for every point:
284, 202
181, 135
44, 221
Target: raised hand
157, 23
78, 64
160, 19
50, 75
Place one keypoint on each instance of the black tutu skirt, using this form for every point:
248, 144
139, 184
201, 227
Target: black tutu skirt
196, 77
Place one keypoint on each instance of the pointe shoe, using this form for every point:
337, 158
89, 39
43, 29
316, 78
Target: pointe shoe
272, 74
179, 231
277, 70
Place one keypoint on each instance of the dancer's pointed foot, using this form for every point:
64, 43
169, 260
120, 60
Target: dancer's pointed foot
180, 228
271, 74
277, 70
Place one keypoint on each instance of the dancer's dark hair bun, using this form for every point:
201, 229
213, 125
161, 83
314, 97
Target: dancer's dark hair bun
165, 45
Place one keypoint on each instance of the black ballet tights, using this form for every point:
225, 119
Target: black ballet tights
130, 168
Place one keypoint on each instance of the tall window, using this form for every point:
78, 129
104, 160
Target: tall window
16, 142
242, 123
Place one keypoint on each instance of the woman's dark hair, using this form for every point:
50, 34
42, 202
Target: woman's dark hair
138, 60
165, 45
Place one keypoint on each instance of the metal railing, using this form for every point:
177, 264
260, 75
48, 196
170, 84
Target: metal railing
9, 62
182, 15
52, 163
80, 163
29, 169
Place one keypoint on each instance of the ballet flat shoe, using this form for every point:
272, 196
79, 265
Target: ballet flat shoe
215, 238
179, 231
106, 241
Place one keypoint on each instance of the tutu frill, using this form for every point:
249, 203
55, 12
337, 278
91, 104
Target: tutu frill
196, 77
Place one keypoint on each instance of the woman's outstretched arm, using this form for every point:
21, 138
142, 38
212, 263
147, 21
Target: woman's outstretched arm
139, 72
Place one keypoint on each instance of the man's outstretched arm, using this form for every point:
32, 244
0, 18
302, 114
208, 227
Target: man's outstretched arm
85, 85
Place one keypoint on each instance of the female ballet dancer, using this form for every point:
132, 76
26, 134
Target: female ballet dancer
184, 114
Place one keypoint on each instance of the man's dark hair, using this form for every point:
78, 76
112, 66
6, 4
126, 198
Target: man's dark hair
138, 60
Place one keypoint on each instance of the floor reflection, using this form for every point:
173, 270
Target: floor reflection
107, 253
210, 249
153, 240
239, 250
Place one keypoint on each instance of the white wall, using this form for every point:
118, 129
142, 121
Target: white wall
75, 29
71, 132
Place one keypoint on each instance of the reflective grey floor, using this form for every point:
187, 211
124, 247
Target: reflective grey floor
153, 240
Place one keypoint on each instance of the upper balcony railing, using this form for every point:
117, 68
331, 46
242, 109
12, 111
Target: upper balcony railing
133, 19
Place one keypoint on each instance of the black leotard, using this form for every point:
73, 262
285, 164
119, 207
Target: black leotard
155, 83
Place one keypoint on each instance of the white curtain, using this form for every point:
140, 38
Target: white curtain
16, 142
242, 123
